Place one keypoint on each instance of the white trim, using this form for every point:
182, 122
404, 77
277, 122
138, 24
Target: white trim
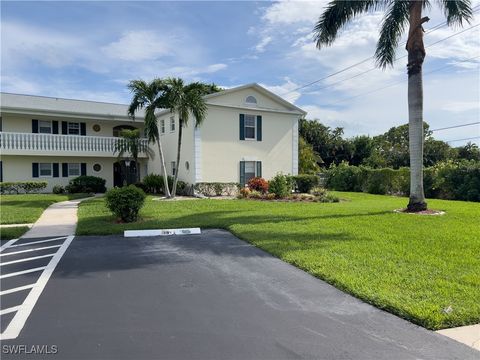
197, 149
295, 147
249, 158
254, 127
40, 171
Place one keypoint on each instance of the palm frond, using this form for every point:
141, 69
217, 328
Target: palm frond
393, 26
338, 13
457, 11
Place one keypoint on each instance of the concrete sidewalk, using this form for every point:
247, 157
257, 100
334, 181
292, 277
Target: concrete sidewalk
469, 335
58, 219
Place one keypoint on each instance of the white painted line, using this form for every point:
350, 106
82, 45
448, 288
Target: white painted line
26, 259
20, 288
22, 272
161, 232
38, 242
10, 310
29, 250
16, 325
7, 244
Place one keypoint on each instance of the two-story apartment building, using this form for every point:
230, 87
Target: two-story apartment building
248, 132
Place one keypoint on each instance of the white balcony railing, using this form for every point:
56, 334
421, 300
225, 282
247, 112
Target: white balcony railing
26, 142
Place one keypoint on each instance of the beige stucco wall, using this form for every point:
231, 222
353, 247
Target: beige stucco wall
19, 168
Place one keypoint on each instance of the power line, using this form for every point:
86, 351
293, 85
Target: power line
436, 27
395, 83
465, 139
456, 126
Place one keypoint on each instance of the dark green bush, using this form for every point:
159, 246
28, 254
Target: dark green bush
17, 187
458, 180
125, 202
343, 177
86, 184
58, 189
279, 186
306, 182
153, 183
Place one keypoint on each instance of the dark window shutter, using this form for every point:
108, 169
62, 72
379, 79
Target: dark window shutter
35, 170
242, 126
55, 127
83, 129
242, 173
34, 126
55, 169
259, 169
83, 169
64, 170
64, 127
259, 128
1, 171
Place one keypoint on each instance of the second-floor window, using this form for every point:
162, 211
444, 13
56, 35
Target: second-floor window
172, 124
73, 128
45, 127
162, 126
73, 169
249, 126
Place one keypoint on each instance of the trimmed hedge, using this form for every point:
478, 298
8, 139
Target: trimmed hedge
22, 186
86, 184
153, 184
448, 180
217, 188
305, 182
125, 202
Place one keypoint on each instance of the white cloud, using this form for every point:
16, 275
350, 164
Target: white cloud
291, 12
138, 46
260, 47
461, 106
285, 90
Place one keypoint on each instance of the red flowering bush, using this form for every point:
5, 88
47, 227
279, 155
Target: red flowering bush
258, 184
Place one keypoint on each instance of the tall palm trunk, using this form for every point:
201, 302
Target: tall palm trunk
416, 55
164, 169
179, 146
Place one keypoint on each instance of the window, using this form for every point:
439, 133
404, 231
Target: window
45, 169
45, 127
249, 170
251, 100
172, 124
174, 169
73, 128
187, 165
73, 169
162, 126
97, 167
249, 126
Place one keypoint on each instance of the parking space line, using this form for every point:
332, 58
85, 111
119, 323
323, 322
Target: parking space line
7, 244
38, 242
22, 272
20, 288
10, 310
29, 250
16, 324
26, 259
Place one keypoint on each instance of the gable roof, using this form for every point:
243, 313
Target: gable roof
257, 87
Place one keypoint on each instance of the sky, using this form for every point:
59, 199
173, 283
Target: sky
90, 50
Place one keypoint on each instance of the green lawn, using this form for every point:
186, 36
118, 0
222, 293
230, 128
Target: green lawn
414, 266
25, 209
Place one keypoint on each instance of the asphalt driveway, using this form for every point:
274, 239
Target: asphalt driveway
209, 296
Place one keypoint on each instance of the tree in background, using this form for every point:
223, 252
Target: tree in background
469, 152
308, 159
398, 16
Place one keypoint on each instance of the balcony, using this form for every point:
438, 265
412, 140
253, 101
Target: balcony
59, 145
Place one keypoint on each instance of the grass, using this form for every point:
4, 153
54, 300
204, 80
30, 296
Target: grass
413, 266
25, 209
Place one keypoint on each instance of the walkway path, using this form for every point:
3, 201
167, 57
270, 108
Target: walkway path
58, 219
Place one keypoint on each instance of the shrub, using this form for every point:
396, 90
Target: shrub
142, 186
217, 189
305, 182
343, 177
278, 185
22, 186
153, 183
58, 189
125, 202
244, 192
258, 184
458, 180
86, 184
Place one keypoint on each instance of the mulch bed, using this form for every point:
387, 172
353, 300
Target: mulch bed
424, 212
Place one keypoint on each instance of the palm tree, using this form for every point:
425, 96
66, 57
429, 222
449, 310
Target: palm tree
398, 15
131, 143
150, 97
185, 100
